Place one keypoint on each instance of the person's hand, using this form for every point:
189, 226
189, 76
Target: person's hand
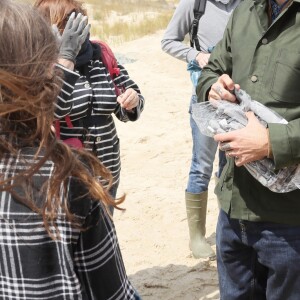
223, 89
129, 99
73, 36
202, 59
247, 144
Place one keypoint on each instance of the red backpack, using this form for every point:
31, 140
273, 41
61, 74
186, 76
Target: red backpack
110, 62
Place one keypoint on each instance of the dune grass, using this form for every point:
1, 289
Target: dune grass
120, 31
117, 21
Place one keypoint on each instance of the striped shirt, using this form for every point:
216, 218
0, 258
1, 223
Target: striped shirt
79, 93
81, 265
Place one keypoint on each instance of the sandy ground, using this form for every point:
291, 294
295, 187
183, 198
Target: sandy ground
156, 151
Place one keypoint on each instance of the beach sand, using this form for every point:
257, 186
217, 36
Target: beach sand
156, 153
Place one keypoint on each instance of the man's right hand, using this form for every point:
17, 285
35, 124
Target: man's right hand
73, 36
223, 89
202, 59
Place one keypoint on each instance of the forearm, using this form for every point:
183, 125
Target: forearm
179, 50
178, 27
64, 99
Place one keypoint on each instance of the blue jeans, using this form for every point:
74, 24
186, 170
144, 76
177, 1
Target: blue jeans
204, 151
257, 260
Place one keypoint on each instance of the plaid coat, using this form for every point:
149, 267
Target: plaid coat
80, 265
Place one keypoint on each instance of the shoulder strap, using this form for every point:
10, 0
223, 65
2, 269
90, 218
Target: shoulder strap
108, 58
199, 9
110, 62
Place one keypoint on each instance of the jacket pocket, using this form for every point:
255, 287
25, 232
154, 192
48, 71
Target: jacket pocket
286, 77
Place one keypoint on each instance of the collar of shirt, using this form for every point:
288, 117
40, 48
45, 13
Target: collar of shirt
276, 8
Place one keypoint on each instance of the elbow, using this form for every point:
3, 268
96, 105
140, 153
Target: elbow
164, 45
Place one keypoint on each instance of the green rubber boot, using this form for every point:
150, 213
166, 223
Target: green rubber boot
196, 205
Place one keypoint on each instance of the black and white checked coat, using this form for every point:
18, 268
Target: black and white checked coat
81, 265
78, 93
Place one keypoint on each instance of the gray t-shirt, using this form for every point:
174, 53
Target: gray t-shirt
210, 30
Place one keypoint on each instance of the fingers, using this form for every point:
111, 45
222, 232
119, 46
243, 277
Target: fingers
226, 82
85, 32
76, 24
202, 59
129, 99
250, 115
238, 161
219, 92
226, 137
223, 89
82, 24
70, 21
225, 146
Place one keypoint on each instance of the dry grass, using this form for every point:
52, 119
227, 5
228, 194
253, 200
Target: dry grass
116, 21
119, 31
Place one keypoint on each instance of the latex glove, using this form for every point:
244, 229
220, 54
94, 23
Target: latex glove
202, 59
248, 144
223, 89
73, 36
129, 99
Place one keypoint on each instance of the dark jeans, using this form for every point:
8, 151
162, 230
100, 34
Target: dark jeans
257, 260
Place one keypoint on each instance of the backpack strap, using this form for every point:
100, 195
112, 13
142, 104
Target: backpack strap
199, 9
109, 60
57, 125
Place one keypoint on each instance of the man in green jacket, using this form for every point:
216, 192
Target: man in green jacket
258, 233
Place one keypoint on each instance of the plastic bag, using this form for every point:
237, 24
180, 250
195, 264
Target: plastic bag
221, 116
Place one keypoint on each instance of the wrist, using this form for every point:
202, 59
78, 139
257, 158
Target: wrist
67, 63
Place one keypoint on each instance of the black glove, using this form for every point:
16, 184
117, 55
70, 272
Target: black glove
74, 35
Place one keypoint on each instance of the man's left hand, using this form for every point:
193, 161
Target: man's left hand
247, 144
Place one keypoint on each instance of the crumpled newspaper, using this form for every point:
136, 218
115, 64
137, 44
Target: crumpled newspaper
219, 116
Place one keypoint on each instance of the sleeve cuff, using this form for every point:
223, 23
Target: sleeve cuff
66, 70
280, 145
191, 55
202, 90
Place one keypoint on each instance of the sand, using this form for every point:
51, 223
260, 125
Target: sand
156, 152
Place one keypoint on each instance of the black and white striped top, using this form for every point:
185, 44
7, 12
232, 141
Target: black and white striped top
99, 91
81, 265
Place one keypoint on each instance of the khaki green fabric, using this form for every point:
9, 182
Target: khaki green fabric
265, 61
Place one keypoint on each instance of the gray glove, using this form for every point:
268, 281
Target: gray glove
74, 35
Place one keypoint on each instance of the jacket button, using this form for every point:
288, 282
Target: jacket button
87, 85
254, 78
98, 139
264, 41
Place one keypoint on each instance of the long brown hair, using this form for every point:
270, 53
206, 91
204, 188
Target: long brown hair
29, 85
58, 11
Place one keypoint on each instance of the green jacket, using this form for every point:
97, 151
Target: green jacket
266, 63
